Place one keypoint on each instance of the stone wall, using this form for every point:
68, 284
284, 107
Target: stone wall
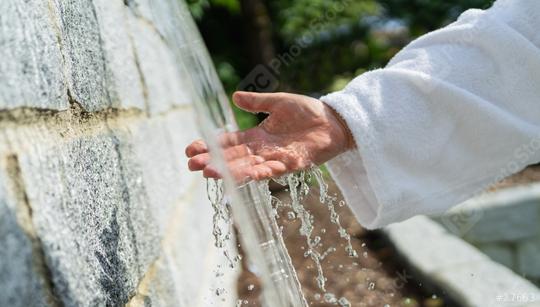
96, 205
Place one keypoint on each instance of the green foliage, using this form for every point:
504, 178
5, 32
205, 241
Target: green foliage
428, 15
198, 7
344, 42
299, 17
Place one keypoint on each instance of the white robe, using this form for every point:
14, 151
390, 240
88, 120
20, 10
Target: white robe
454, 112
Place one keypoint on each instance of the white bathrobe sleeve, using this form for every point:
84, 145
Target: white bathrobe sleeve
454, 112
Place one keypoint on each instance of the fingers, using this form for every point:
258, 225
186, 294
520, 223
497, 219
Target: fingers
237, 167
258, 102
211, 172
250, 167
196, 148
199, 162
267, 170
225, 140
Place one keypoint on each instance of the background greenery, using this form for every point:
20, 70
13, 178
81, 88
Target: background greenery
343, 43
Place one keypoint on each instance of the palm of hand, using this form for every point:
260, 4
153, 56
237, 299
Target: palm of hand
300, 132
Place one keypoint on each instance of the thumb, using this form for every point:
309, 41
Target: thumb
257, 102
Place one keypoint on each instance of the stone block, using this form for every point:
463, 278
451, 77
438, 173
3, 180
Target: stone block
91, 213
30, 59
528, 257
177, 276
166, 83
507, 215
429, 247
500, 252
124, 81
484, 283
85, 59
158, 145
459, 269
157, 288
506, 223
185, 258
102, 68
21, 284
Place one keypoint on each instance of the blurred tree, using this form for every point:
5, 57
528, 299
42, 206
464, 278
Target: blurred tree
333, 40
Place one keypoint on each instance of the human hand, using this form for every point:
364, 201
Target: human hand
299, 132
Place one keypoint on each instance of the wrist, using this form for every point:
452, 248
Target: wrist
344, 129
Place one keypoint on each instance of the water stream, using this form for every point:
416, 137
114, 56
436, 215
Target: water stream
251, 206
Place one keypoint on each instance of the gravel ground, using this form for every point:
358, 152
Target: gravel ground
376, 278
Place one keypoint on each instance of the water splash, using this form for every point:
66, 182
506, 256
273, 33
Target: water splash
330, 201
343, 302
222, 219
298, 186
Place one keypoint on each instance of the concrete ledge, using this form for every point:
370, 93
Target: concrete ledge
469, 276
505, 215
504, 225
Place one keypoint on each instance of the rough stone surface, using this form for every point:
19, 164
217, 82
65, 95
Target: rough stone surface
21, 284
83, 53
89, 207
97, 207
31, 72
158, 146
125, 84
162, 77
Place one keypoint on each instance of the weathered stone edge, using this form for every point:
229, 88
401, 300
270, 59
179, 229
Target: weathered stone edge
413, 250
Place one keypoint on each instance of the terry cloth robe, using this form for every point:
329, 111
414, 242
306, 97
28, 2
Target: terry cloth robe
455, 111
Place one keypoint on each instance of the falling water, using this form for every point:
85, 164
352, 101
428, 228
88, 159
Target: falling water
252, 206
294, 182
329, 201
251, 210
298, 185
222, 220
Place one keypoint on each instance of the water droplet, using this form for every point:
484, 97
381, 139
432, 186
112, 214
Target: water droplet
371, 286
343, 302
434, 296
330, 298
220, 291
